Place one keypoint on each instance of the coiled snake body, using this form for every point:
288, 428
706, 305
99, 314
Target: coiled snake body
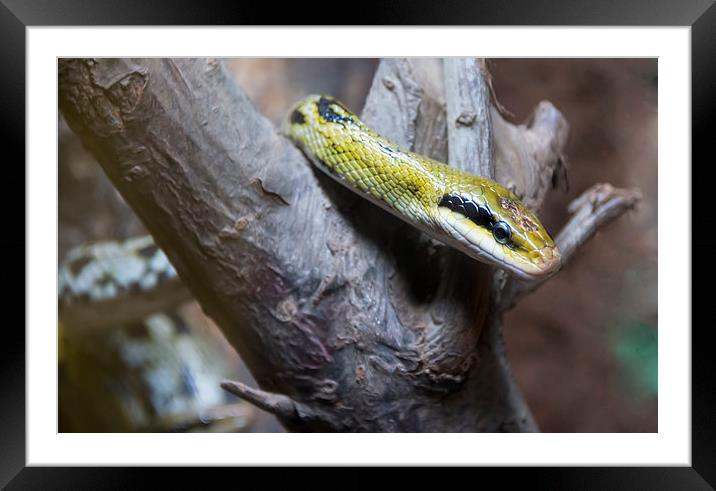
115, 282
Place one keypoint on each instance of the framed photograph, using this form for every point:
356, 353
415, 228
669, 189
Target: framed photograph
246, 244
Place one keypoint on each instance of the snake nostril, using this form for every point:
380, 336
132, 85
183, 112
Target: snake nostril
547, 258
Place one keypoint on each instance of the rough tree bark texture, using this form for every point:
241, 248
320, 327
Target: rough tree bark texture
349, 319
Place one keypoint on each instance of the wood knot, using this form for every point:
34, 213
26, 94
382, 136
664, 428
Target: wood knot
389, 84
212, 65
360, 374
466, 118
127, 93
133, 173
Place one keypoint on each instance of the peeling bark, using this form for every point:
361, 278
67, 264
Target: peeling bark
349, 319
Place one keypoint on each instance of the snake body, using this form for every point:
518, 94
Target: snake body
131, 358
471, 213
117, 281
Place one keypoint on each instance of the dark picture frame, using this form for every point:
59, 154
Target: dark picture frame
16, 15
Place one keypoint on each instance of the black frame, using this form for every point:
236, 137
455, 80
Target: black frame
15, 15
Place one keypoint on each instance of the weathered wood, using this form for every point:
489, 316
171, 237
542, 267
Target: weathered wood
468, 114
349, 319
528, 157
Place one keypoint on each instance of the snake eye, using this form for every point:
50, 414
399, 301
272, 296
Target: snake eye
502, 232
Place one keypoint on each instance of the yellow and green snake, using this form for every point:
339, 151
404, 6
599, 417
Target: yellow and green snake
471, 213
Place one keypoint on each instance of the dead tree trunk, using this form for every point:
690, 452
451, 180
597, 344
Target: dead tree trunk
349, 319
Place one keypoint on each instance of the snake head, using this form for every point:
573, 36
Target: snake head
316, 111
489, 223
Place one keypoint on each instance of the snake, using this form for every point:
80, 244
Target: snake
471, 213
129, 357
117, 281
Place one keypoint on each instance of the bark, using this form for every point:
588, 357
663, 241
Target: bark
468, 113
349, 319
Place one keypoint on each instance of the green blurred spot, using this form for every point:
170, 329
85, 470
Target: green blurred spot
636, 347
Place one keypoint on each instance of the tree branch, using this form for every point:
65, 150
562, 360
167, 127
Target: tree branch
528, 157
468, 114
367, 325
592, 210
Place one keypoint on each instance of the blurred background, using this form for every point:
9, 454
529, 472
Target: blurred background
583, 348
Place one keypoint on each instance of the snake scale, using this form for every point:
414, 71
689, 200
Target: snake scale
473, 214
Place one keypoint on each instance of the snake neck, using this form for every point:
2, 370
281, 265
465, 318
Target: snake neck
403, 182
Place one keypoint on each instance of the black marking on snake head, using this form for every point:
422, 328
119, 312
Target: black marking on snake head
484, 217
445, 201
479, 214
326, 111
297, 117
471, 210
